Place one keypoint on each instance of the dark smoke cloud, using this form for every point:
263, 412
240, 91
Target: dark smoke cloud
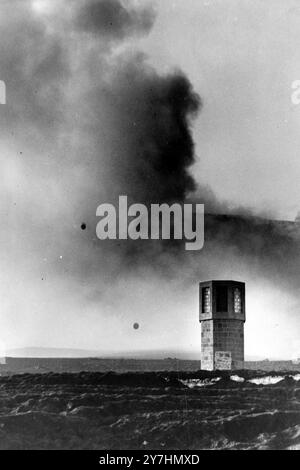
113, 20
86, 124
256, 246
152, 147
94, 123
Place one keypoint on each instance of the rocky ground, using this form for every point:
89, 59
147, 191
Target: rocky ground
163, 410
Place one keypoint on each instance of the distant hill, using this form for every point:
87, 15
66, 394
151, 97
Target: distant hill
40, 352
84, 353
50, 352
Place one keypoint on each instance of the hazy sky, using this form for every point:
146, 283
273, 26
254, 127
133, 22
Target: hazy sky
79, 88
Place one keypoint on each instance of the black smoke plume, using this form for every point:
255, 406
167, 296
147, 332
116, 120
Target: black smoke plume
152, 147
97, 121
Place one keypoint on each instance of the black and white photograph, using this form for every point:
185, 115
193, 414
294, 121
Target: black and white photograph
150, 228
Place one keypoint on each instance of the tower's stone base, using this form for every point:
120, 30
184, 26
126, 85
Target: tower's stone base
222, 344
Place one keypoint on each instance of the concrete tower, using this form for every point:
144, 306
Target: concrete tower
222, 317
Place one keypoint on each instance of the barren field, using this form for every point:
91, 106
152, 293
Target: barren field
163, 410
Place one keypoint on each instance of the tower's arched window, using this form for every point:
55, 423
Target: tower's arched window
237, 299
206, 301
